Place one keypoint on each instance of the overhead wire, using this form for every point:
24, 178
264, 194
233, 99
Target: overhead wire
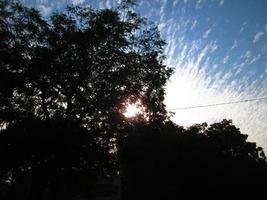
219, 104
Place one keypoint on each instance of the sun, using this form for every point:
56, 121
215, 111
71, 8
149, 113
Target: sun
132, 110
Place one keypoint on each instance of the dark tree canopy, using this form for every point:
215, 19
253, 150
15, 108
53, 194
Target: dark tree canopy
64, 82
81, 64
201, 161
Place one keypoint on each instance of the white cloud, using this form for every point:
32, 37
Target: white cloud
44, 10
225, 59
246, 59
190, 87
108, 4
234, 45
247, 55
255, 59
243, 27
162, 8
200, 4
193, 25
258, 36
221, 3
175, 2
192, 84
162, 23
207, 32
76, 2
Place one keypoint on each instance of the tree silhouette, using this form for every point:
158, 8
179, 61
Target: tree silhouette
200, 161
37, 155
69, 66
63, 84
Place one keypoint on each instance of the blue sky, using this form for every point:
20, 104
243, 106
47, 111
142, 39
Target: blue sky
218, 49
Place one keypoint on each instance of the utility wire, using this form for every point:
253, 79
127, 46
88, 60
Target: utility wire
219, 104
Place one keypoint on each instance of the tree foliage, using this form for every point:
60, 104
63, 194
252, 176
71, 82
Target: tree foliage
200, 161
81, 64
64, 82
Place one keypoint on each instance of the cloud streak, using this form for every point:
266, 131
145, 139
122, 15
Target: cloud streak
77, 2
258, 36
203, 77
221, 3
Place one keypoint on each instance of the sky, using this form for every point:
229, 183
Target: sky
218, 49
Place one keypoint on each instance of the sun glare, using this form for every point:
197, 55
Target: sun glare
132, 110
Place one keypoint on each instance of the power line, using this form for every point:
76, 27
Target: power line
219, 104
